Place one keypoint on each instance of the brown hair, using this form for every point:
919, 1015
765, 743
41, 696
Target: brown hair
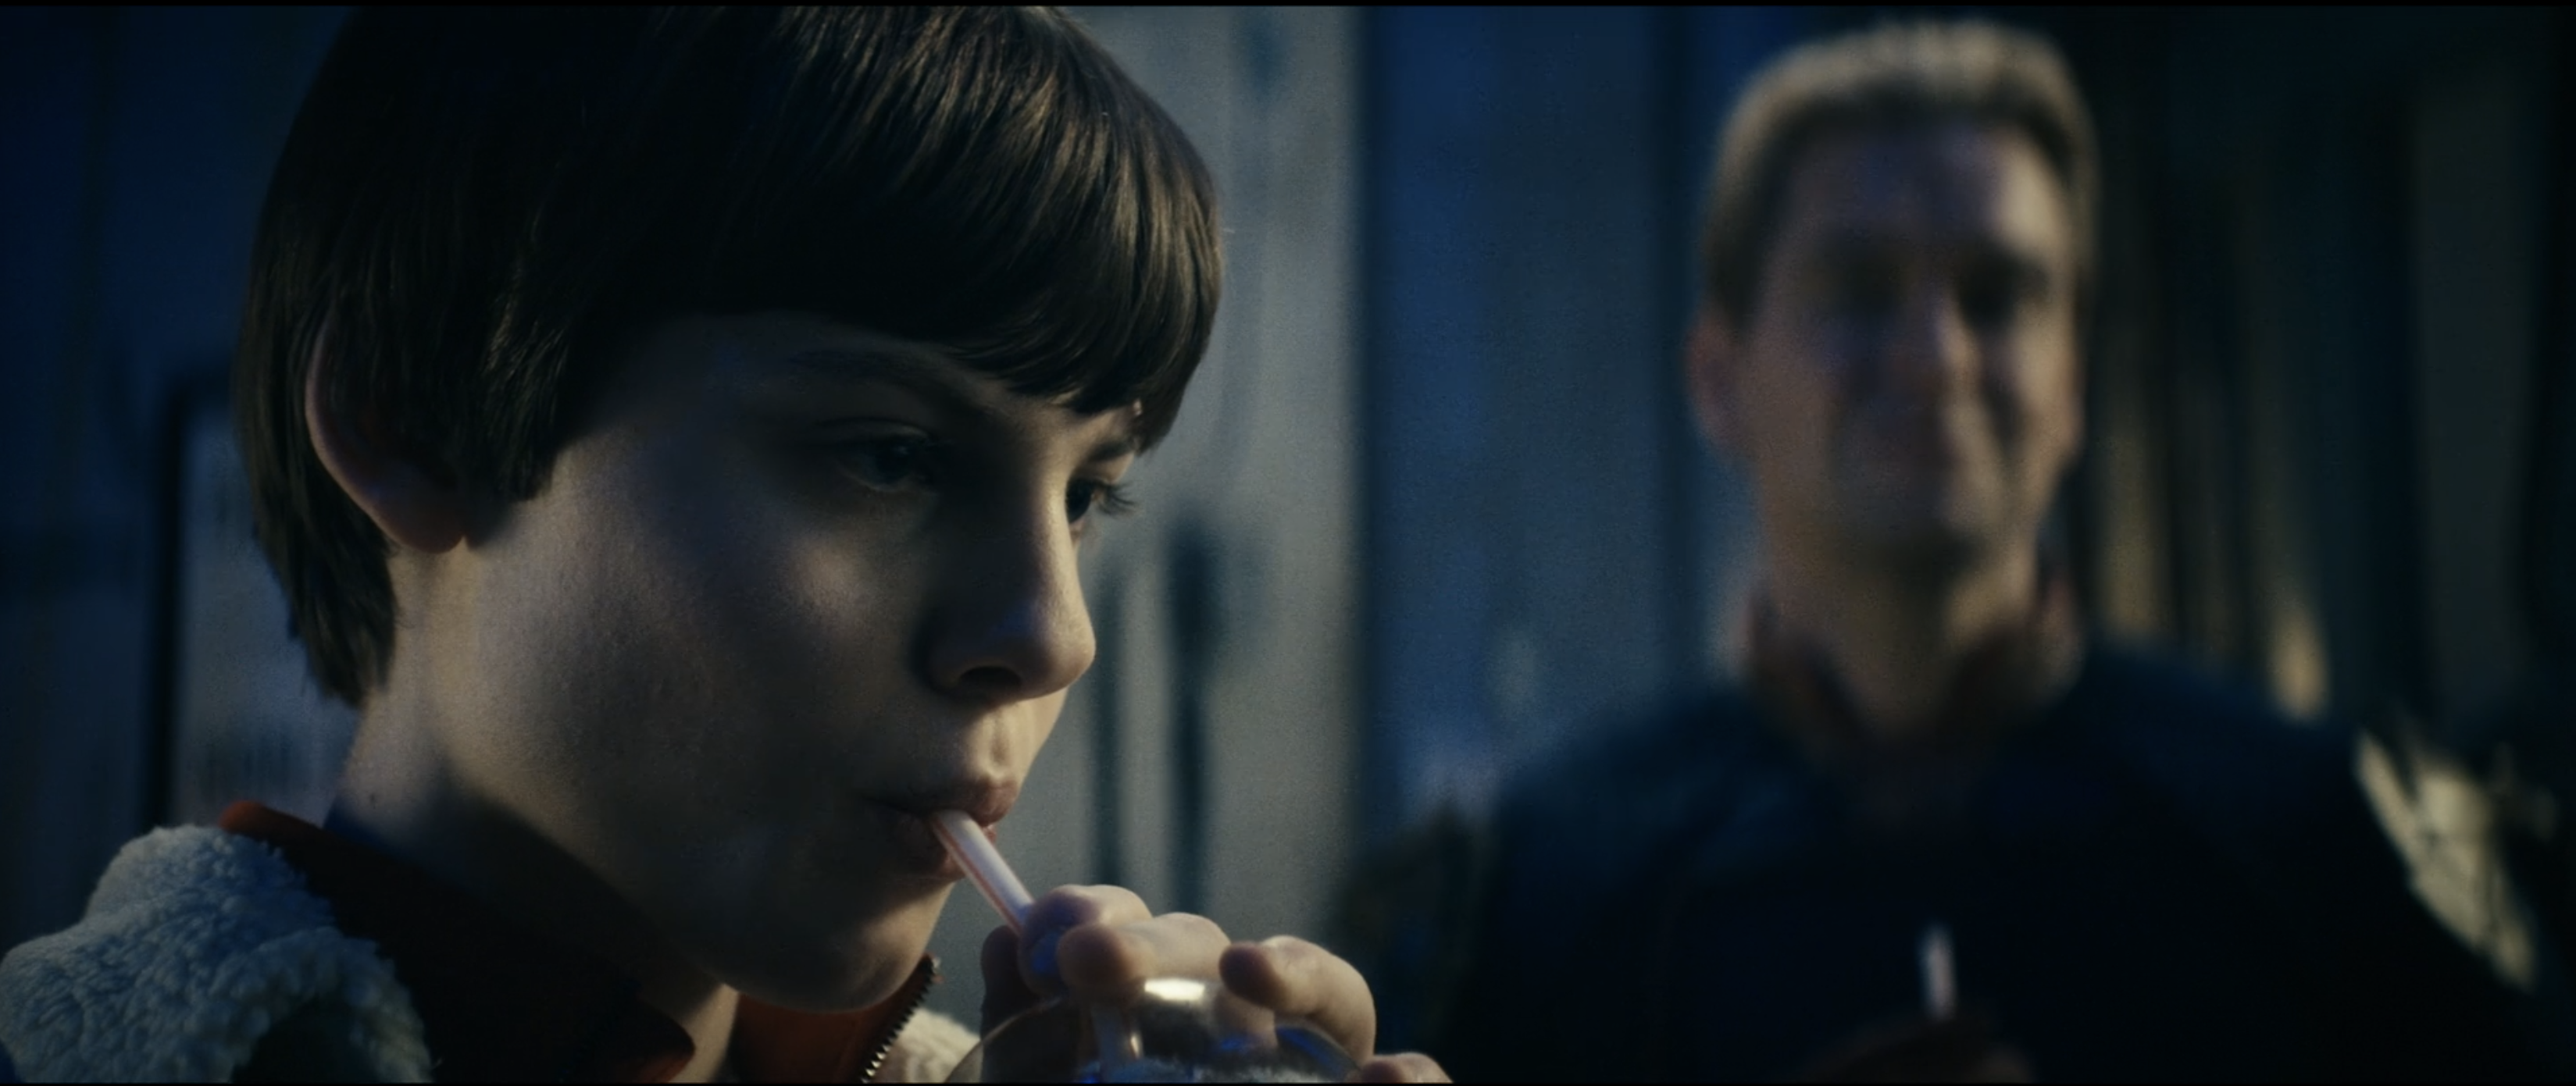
1897, 75
483, 206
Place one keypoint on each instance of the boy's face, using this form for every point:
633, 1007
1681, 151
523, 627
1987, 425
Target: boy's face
1907, 382
790, 585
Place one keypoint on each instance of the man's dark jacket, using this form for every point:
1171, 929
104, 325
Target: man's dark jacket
2156, 877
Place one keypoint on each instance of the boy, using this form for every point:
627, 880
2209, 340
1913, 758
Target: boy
674, 430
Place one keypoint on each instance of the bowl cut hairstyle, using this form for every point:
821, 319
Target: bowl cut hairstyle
1893, 77
477, 211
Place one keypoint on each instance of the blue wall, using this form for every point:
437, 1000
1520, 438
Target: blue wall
1545, 530
135, 146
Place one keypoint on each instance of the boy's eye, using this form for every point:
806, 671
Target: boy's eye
891, 463
1086, 496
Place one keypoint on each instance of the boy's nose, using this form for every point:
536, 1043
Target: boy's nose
1011, 624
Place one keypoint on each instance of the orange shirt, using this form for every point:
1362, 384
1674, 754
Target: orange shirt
502, 1004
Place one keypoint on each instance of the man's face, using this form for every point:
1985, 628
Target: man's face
790, 585
1907, 385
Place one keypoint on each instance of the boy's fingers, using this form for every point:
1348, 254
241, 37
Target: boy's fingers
1298, 979
1066, 906
1064, 909
1402, 1067
1100, 942
1106, 961
1006, 992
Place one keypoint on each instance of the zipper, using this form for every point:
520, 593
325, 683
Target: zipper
907, 1002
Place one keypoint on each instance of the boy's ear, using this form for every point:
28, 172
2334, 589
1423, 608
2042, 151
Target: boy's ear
1709, 365
408, 502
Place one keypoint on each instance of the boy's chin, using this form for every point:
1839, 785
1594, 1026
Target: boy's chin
861, 969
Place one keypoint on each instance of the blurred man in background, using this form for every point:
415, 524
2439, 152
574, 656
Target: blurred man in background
1935, 832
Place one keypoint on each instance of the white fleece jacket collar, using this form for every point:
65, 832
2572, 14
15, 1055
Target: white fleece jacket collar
199, 942
196, 943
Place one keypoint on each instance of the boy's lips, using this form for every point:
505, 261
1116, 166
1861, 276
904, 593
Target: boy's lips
985, 802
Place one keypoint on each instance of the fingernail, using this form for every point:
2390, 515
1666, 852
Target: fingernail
1042, 955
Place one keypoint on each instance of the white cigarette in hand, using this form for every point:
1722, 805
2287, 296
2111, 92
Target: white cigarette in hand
1940, 984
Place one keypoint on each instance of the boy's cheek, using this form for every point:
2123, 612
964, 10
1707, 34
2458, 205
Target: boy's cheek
1044, 713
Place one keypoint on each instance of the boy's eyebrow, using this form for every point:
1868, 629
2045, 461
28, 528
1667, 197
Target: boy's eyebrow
850, 367
930, 381
1117, 448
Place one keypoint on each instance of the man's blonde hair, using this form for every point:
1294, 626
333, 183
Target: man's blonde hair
1893, 76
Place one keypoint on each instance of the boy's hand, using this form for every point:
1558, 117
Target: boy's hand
1100, 943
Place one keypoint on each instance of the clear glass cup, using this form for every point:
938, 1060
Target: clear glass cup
1172, 1029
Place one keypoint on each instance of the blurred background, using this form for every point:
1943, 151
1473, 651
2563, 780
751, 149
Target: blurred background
1436, 500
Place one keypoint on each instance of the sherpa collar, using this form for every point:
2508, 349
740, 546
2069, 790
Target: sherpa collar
201, 942
196, 944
